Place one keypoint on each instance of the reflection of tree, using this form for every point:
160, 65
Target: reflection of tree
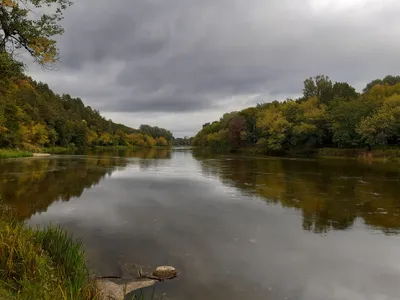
145, 153
331, 194
31, 185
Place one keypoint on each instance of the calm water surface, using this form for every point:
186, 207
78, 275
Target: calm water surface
236, 227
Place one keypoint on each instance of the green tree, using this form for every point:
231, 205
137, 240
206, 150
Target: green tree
311, 125
218, 141
26, 24
388, 80
39, 135
252, 132
383, 127
320, 86
236, 131
275, 128
344, 118
344, 92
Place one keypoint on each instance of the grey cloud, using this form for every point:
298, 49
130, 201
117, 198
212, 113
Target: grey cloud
164, 103
189, 55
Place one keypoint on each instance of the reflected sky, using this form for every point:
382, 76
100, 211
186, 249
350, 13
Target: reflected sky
209, 218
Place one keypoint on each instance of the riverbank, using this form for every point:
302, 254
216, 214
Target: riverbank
68, 150
10, 153
388, 154
50, 264
42, 264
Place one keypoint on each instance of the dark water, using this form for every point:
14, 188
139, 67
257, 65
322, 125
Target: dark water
236, 227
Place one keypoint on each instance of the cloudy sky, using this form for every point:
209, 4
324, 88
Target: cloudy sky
181, 63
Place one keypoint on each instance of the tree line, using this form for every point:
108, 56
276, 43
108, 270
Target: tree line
33, 116
328, 114
185, 141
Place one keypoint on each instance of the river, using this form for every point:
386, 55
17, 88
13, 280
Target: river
236, 227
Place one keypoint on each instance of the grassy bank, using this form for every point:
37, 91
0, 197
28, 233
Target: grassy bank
59, 150
375, 154
41, 264
384, 154
9, 153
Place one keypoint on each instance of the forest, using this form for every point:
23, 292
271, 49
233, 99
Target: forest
328, 114
32, 116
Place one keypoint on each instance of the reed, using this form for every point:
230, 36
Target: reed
42, 264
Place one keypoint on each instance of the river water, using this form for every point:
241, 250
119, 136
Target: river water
237, 227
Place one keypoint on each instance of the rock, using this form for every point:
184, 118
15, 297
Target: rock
165, 272
117, 290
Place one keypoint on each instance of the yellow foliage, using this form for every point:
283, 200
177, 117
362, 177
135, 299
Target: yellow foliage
36, 134
9, 3
92, 137
273, 121
161, 141
135, 139
150, 141
304, 128
105, 139
44, 50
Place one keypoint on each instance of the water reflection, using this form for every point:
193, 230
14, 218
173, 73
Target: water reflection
30, 186
204, 216
153, 153
331, 194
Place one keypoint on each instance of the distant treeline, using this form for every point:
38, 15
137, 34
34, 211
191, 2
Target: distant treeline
329, 114
186, 141
33, 116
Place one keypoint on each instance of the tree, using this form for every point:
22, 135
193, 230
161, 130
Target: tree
274, 127
388, 80
39, 135
252, 132
24, 24
311, 125
236, 131
150, 142
344, 92
345, 116
376, 129
136, 140
218, 141
161, 141
320, 86
105, 139
382, 127
156, 132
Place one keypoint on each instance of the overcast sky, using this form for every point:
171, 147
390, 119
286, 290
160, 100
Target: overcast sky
180, 63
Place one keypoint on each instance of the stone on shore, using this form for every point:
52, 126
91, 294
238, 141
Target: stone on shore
165, 272
118, 288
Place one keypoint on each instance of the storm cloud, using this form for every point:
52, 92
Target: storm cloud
185, 57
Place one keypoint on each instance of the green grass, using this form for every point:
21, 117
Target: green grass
43, 264
8, 153
59, 150
382, 154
